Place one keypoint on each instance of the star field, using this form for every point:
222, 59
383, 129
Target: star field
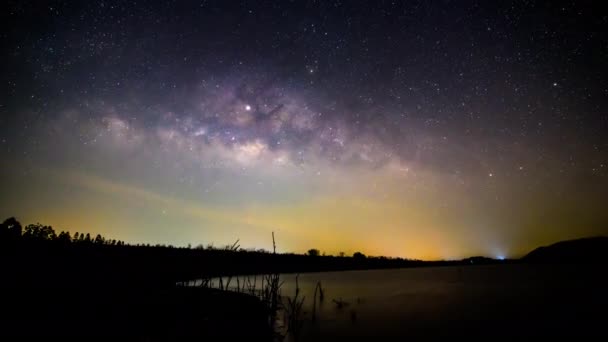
418, 129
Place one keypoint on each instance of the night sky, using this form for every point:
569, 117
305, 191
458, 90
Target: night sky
431, 129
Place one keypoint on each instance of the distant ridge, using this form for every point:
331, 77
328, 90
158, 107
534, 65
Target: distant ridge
587, 250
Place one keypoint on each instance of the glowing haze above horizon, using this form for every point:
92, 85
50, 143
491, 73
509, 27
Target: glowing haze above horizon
423, 130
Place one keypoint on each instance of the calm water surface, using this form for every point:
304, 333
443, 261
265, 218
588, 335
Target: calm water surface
497, 300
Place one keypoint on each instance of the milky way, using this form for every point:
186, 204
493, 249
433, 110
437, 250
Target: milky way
424, 130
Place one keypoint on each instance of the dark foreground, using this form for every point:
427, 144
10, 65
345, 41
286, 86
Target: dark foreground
89, 311
90, 292
570, 304
87, 291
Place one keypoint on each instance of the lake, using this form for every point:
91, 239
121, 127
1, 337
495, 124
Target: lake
484, 301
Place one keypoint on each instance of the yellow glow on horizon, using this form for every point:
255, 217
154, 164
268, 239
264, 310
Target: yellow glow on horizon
390, 216
333, 224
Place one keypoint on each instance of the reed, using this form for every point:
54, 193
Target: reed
271, 291
293, 312
319, 291
340, 303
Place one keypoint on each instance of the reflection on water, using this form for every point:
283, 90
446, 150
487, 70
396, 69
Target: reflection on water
441, 301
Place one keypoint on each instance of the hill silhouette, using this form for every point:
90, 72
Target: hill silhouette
586, 250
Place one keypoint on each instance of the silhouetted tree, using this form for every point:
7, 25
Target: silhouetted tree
48, 233
40, 232
313, 252
64, 237
99, 240
359, 256
87, 238
10, 229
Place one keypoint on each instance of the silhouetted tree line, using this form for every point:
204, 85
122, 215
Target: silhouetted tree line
103, 259
11, 229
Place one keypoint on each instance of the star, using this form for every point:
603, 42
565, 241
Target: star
317, 113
